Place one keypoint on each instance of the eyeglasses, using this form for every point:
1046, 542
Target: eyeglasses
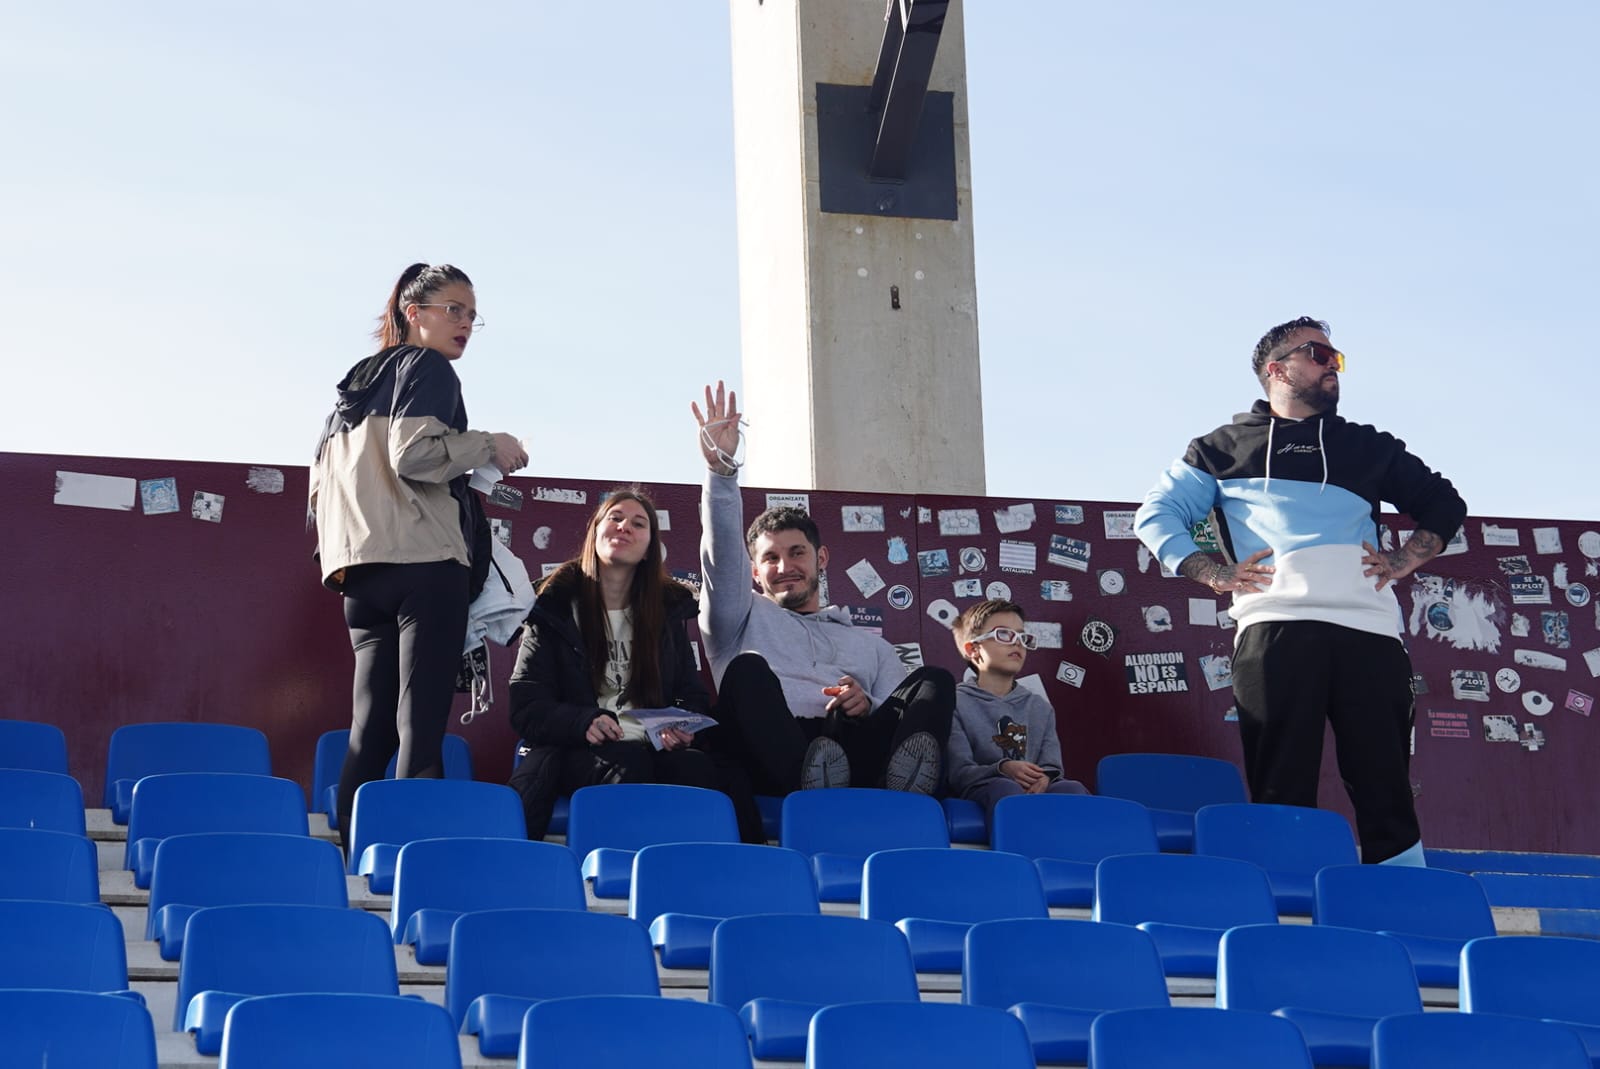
1007, 637
459, 313
1319, 354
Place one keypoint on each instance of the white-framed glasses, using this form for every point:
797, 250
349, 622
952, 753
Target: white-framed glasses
1007, 637
458, 313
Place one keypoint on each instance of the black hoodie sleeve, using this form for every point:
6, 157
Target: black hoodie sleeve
1422, 493
548, 707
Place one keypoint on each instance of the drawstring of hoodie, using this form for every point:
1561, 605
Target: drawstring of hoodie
1324, 454
1272, 422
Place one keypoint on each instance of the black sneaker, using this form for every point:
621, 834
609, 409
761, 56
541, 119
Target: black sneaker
825, 765
914, 765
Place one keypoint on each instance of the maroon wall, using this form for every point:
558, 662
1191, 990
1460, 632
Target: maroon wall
114, 617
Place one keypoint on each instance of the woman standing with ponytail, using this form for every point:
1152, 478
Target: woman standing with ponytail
399, 534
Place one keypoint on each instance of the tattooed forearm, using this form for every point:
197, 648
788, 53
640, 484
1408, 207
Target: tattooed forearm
1199, 567
1422, 546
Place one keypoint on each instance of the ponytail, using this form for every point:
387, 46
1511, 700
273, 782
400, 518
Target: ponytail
415, 284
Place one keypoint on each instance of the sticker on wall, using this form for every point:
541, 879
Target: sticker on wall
1532, 737
789, 501
1509, 680
207, 506
1501, 536
1558, 576
900, 597
509, 497
1156, 618
1015, 518
1217, 669
861, 517
1555, 627
1069, 514
998, 591
1069, 553
1443, 724
1202, 612
1546, 540
905, 513
1225, 619
898, 553
663, 517
1047, 632
972, 559
1070, 674
1538, 703
264, 481
1419, 684
866, 618
1539, 659
1019, 557
1591, 660
561, 495
501, 530
1231, 716
1498, 727
159, 496
541, 538
84, 490
1580, 702
1530, 590
924, 515
943, 612
1055, 590
824, 596
1097, 636
1520, 627
1469, 685
910, 654
1589, 546
1111, 581
967, 588
1118, 523
1577, 595
546, 569
1517, 565
1156, 673
933, 563
956, 523
1451, 611
865, 577
1033, 683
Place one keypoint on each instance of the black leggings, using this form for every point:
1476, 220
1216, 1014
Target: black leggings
407, 625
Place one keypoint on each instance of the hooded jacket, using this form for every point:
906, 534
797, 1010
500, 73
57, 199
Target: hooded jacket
990, 729
389, 482
1310, 490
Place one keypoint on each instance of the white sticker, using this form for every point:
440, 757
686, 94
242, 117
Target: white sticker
541, 538
1591, 658
789, 501
1048, 634
1509, 680
545, 570
1033, 683
1202, 612
663, 520
943, 611
95, 491
1070, 674
264, 480
924, 515
1156, 618
159, 496
1538, 703
1119, 524
1501, 536
997, 591
958, 522
501, 531
561, 495
207, 507
861, 517
1015, 518
1018, 556
1547, 540
967, 588
1218, 670
1498, 727
865, 577
1539, 659
1055, 590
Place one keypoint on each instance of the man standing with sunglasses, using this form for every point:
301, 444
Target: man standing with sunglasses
1294, 492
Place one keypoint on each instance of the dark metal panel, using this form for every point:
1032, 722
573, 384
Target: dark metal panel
846, 129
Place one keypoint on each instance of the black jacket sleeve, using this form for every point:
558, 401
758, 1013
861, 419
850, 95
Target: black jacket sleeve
1422, 493
548, 706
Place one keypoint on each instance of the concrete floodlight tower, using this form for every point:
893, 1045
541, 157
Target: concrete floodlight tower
857, 292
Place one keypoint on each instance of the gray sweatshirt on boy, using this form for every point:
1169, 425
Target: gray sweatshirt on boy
805, 651
988, 730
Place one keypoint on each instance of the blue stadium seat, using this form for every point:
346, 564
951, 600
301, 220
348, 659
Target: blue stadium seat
50, 801
1332, 983
75, 1028
682, 890
30, 744
606, 824
48, 865
935, 895
65, 945
320, 1029
392, 812
1173, 786
139, 750
1056, 976
836, 828
1433, 912
1546, 977
237, 868
1194, 1038
1473, 1041
184, 803
771, 809
437, 880
777, 970
233, 952
629, 1030
329, 762
928, 1035
503, 961
1185, 902
1066, 835
1289, 842
965, 821
1509, 861
1540, 890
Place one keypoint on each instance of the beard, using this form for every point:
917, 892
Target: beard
797, 595
1319, 396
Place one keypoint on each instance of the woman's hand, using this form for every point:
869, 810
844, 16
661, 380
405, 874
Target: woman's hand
602, 728
673, 739
509, 456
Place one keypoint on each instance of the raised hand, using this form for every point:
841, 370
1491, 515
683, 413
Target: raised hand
719, 428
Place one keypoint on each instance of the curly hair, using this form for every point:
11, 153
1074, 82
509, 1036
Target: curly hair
1274, 338
783, 518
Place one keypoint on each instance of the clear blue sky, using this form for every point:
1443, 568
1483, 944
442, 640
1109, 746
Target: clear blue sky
203, 205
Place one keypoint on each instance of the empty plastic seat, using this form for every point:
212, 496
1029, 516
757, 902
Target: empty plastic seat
934, 896
1056, 976
503, 961
682, 890
606, 824
325, 1030
1173, 786
1510, 861
965, 820
1289, 842
1473, 1041
776, 971
836, 828
30, 744
1195, 1038
1433, 912
237, 868
390, 813
1066, 835
66, 945
184, 803
437, 880
138, 750
1540, 890
1185, 902
662, 1033
233, 952
329, 762
50, 801
1332, 983
929, 1035
1547, 977
75, 1028
49, 865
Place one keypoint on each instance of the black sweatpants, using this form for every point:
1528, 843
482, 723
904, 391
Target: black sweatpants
772, 742
1289, 678
407, 625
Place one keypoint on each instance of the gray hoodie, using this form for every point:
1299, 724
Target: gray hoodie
805, 651
988, 730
